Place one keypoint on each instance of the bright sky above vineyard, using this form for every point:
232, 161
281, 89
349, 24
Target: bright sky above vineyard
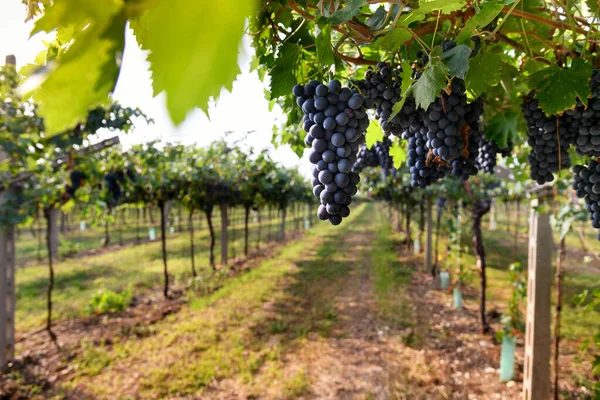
245, 109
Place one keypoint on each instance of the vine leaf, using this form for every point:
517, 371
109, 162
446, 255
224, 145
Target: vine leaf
323, 42
374, 134
445, 6
351, 10
406, 77
394, 39
428, 87
282, 74
594, 6
558, 89
65, 94
398, 154
193, 49
502, 128
376, 20
457, 60
486, 14
484, 72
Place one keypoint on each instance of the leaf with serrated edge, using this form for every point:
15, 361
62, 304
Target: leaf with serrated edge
393, 39
502, 127
457, 60
351, 9
324, 51
193, 49
398, 154
445, 6
406, 82
484, 72
374, 134
282, 74
558, 89
431, 83
486, 14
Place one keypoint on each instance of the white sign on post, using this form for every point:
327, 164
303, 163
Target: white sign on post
152, 234
82, 226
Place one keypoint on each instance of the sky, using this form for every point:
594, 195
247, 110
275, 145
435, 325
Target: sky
244, 109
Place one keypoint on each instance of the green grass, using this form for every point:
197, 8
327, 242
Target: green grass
238, 330
78, 279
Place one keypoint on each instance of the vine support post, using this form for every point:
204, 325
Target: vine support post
192, 250
428, 267
282, 229
163, 236
52, 231
51, 223
224, 233
559, 279
536, 371
493, 216
246, 218
7, 292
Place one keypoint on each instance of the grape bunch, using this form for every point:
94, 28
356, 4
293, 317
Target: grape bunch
335, 121
113, 185
77, 178
546, 145
382, 151
366, 158
381, 88
423, 171
586, 121
486, 160
587, 186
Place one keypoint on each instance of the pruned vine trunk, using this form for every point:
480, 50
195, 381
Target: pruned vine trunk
192, 250
282, 229
480, 208
558, 311
137, 227
106, 230
50, 215
163, 237
421, 224
259, 229
246, 217
437, 237
408, 237
211, 230
224, 233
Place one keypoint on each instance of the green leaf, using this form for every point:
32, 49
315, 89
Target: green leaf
558, 89
282, 74
193, 49
67, 94
63, 13
398, 154
484, 72
374, 134
457, 60
376, 20
393, 39
486, 14
594, 6
429, 86
406, 77
445, 6
324, 50
502, 127
351, 9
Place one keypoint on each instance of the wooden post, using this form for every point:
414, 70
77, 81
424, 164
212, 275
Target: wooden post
53, 231
536, 379
428, 245
7, 291
493, 216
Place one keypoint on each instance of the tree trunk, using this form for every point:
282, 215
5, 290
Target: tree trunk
282, 229
259, 229
50, 214
192, 251
480, 208
246, 216
106, 230
437, 237
137, 227
163, 223
408, 238
421, 225
63, 228
212, 240
557, 311
224, 234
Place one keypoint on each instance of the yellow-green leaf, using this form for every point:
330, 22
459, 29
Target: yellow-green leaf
398, 154
193, 49
374, 134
